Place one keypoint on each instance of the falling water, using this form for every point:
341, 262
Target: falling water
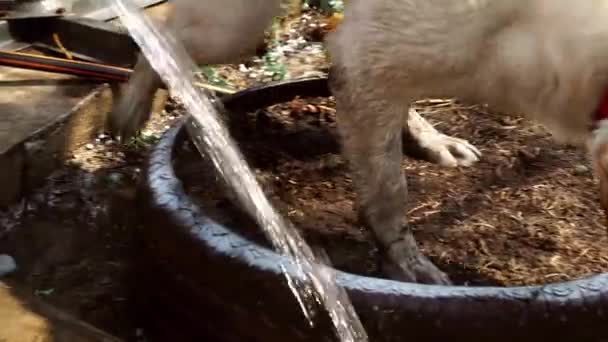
170, 60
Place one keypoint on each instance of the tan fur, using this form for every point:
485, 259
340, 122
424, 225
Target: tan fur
213, 32
545, 59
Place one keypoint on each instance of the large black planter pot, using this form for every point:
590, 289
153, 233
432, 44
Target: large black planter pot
206, 283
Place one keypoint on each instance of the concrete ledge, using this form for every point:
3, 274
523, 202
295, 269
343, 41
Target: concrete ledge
25, 163
45, 117
31, 102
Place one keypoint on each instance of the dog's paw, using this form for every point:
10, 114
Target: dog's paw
448, 151
405, 262
420, 270
424, 142
129, 116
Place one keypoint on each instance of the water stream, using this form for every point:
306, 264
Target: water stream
314, 283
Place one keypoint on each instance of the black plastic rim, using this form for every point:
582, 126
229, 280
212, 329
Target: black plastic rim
212, 262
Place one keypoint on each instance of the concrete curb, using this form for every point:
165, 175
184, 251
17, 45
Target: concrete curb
47, 116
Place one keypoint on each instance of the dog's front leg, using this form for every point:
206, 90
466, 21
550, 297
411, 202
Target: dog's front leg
422, 141
370, 128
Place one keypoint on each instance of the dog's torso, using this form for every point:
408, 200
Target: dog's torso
221, 32
546, 59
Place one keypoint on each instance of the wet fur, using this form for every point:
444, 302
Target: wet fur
545, 59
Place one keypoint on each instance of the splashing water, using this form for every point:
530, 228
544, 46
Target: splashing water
314, 282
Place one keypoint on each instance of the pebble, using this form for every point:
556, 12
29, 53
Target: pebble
34, 146
115, 177
90, 146
88, 181
581, 170
7, 265
75, 162
139, 332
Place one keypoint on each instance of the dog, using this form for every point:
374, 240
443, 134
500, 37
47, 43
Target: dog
546, 59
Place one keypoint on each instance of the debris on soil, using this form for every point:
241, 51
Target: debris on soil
294, 51
527, 213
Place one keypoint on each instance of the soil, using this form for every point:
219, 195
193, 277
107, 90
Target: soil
74, 238
527, 213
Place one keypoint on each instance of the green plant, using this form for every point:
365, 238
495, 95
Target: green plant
212, 77
142, 141
336, 5
275, 66
328, 6
273, 59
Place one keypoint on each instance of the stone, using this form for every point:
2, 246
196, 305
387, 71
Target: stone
7, 265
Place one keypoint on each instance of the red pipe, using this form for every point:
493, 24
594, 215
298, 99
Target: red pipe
64, 66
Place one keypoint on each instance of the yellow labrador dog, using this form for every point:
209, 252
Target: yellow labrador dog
547, 59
